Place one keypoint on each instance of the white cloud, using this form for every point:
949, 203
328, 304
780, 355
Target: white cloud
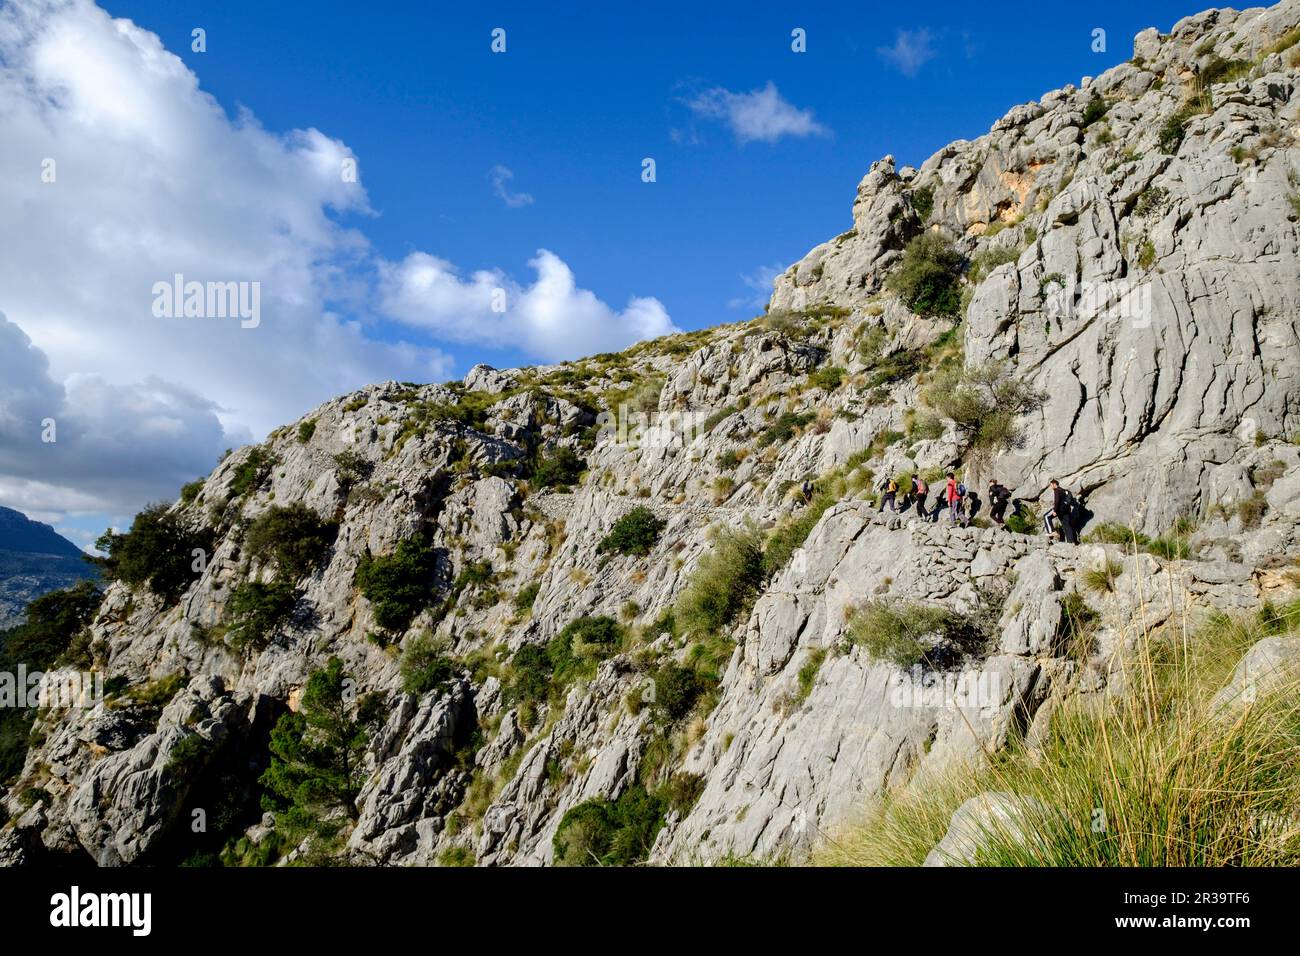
501, 177
113, 447
551, 318
760, 115
760, 283
154, 179
912, 49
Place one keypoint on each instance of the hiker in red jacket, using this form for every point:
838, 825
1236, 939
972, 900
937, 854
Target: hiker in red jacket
952, 497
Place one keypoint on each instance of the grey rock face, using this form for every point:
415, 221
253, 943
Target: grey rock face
1269, 666
1001, 817
129, 799
1153, 295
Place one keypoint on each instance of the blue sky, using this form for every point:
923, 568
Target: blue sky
519, 171
578, 100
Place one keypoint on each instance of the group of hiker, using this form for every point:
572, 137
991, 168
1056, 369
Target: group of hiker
962, 503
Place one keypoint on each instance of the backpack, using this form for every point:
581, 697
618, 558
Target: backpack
1069, 500
893, 486
922, 488
961, 489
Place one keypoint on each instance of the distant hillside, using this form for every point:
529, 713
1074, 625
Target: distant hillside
34, 560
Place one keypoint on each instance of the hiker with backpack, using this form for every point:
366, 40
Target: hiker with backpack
952, 496
1062, 511
920, 491
890, 488
807, 490
999, 495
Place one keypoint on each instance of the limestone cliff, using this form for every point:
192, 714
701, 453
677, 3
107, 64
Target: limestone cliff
1130, 247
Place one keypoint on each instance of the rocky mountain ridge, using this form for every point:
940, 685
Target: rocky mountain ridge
34, 559
636, 604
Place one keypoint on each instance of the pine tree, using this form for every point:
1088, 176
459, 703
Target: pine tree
316, 753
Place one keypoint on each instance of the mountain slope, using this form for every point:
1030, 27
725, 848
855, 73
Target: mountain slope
34, 560
592, 609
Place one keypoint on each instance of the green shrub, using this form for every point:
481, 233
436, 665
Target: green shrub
541, 673
716, 417
635, 533
682, 791
602, 832
1174, 130
31, 796
154, 695
983, 263
1219, 70
789, 535
892, 368
725, 581
425, 665
561, 467
52, 622
1109, 532
677, 689
456, 856
1251, 510
1170, 547
1146, 254
928, 277
827, 378
1102, 578
1094, 111
783, 429
399, 585
256, 609
187, 756
351, 467
295, 537
526, 597
1175, 783
55, 624
1152, 200
190, 491
1024, 520
306, 430
923, 202
984, 404
250, 473
158, 551
1284, 43
897, 632
811, 668
1078, 625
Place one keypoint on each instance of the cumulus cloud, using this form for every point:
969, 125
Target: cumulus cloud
89, 446
760, 283
912, 49
501, 177
762, 115
551, 318
120, 173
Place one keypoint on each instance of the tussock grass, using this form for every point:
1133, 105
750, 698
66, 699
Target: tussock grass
1148, 777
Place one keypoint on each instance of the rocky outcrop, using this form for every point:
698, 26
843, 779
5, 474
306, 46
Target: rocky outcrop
1151, 292
1000, 818
1272, 665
